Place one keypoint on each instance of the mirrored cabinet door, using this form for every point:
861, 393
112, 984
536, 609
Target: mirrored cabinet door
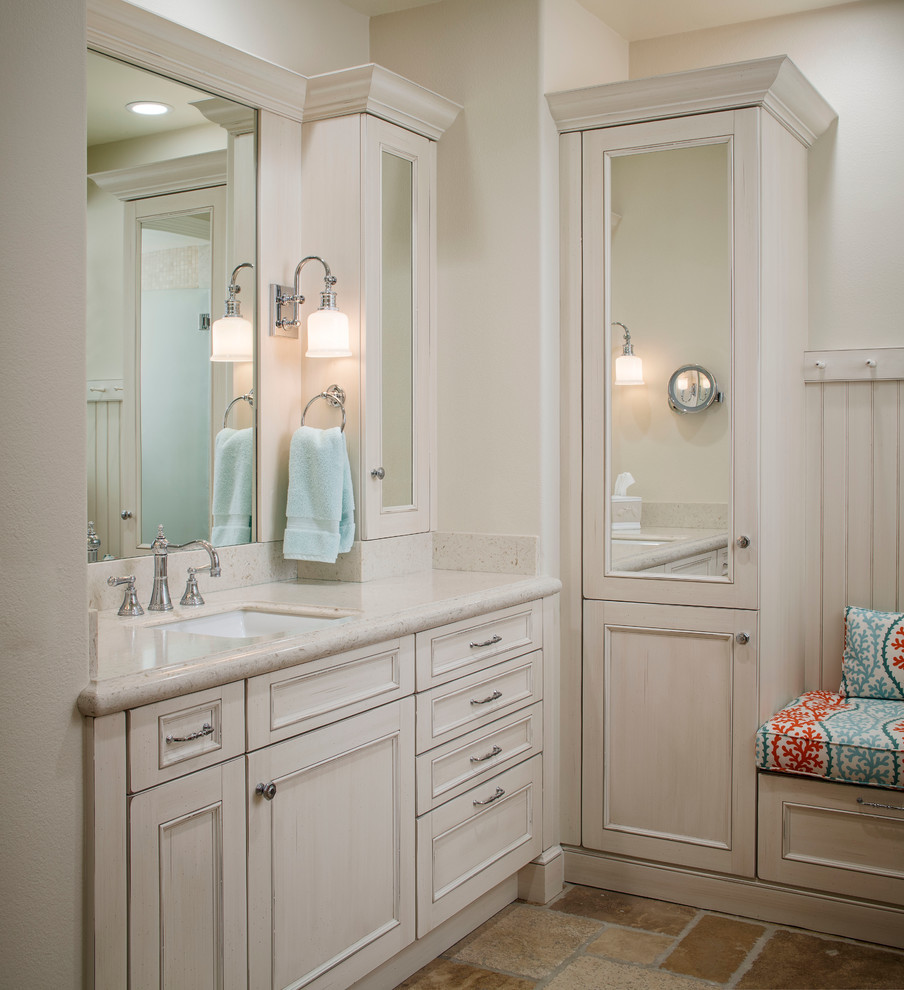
670, 362
395, 476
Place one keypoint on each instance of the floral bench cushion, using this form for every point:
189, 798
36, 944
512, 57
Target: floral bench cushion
820, 734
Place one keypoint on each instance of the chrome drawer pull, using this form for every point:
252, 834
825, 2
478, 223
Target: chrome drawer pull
872, 804
495, 751
499, 793
205, 730
490, 642
486, 701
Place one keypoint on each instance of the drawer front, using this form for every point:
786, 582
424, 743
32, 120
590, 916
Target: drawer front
447, 771
171, 738
475, 841
818, 834
286, 702
450, 710
473, 644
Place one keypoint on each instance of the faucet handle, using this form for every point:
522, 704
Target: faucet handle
130, 604
192, 596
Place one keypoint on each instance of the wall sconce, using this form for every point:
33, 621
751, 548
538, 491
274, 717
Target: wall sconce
232, 336
628, 366
327, 327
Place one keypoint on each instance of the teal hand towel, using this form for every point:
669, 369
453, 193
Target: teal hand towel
320, 509
233, 473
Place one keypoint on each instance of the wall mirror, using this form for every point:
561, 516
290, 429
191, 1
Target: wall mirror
668, 223
692, 389
171, 201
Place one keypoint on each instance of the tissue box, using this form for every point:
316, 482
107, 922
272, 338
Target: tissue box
626, 511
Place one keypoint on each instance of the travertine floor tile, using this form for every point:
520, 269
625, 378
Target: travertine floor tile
714, 948
630, 946
443, 974
800, 961
593, 973
526, 941
625, 909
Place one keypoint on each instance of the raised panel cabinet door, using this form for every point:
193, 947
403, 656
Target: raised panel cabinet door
331, 851
669, 723
187, 890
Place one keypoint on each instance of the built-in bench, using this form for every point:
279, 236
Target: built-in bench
830, 803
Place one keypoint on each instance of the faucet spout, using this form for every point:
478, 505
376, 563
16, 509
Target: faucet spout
211, 552
160, 595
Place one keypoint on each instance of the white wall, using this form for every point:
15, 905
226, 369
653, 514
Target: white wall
43, 624
854, 55
578, 48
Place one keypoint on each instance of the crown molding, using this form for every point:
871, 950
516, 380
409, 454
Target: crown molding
144, 39
168, 176
776, 84
375, 90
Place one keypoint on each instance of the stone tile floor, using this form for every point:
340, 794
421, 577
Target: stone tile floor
588, 939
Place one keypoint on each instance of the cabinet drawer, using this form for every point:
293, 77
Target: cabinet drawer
469, 702
286, 702
473, 842
449, 770
814, 833
467, 646
175, 737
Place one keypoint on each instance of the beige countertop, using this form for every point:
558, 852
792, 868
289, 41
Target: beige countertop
637, 550
140, 661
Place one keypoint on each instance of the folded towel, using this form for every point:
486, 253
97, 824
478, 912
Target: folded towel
233, 471
320, 509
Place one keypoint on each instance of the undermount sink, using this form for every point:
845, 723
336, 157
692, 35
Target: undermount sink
254, 623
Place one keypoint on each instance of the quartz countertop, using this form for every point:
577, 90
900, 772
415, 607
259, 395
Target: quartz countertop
638, 550
140, 661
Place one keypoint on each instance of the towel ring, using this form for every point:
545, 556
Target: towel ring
335, 395
247, 397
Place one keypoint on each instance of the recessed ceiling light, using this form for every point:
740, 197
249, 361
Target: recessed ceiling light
148, 109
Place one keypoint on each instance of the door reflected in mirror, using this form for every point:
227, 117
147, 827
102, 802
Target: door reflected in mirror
669, 224
171, 205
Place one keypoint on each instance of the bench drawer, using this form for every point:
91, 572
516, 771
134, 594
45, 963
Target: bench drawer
171, 738
473, 644
449, 770
452, 709
287, 702
835, 837
472, 843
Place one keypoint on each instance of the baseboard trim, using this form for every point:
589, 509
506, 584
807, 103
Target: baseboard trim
820, 912
543, 878
424, 950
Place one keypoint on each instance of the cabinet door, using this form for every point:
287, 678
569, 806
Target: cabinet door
331, 853
670, 255
669, 723
399, 171
187, 888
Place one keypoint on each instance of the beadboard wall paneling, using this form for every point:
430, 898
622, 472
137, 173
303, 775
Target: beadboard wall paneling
104, 469
855, 486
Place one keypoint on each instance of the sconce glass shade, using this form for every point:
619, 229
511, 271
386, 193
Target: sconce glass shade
232, 339
328, 334
628, 370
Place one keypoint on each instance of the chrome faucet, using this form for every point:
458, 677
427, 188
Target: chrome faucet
160, 596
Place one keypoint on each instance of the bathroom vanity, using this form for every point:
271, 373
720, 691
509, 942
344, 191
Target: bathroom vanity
273, 808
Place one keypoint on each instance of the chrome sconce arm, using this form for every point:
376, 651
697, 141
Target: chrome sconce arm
327, 327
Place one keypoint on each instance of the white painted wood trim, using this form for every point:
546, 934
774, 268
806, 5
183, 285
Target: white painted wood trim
375, 90
770, 902
876, 364
168, 176
135, 35
775, 84
543, 878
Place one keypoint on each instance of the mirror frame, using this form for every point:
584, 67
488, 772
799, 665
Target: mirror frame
146, 40
714, 395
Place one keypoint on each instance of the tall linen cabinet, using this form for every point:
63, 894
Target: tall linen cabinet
683, 216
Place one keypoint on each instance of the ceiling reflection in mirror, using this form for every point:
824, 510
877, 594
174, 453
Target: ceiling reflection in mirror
171, 201
669, 222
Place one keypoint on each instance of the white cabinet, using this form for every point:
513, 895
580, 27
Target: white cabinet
331, 850
369, 204
187, 882
691, 230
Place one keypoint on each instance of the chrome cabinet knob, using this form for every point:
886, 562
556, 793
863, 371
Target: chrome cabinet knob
742, 638
378, 473
266, 790
743, 542
125, 514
